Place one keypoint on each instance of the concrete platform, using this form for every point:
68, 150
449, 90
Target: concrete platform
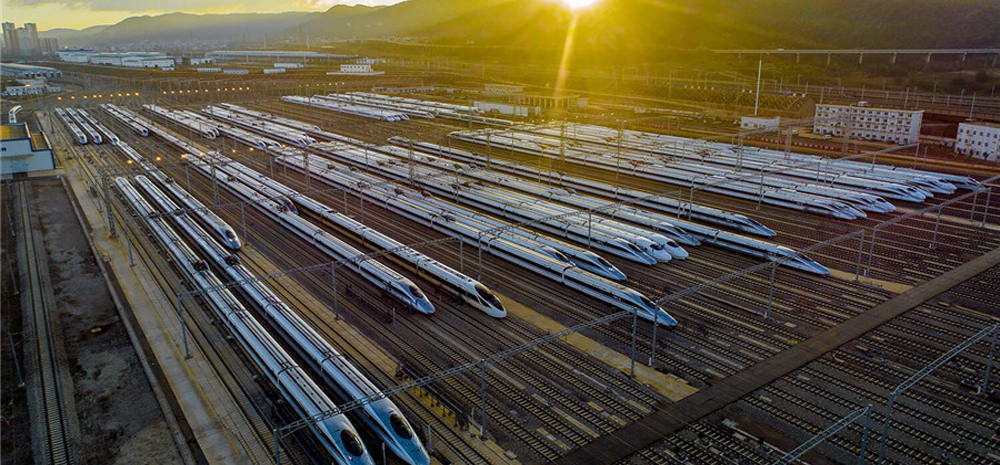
670, 386
670, 418
193, 382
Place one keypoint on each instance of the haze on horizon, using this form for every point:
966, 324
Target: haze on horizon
80, 14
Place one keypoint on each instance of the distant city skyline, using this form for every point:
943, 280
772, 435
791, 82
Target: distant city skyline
80, 14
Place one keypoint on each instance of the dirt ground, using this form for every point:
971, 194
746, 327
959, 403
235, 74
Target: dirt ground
120, 421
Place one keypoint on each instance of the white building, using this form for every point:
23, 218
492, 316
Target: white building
201, 61
27, 89
507, 109
980, 140
22, 152
21, 71
235, 71
356, 70
76, 56
760, 122
208, 69
863, 122
502, 90
274, 70
289, 65
360, 68
134, 59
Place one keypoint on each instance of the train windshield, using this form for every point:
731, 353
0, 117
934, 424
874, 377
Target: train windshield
561, 257
351, 443
488, 296
229, 234
603, 262
415, 291
646, 302
399, 426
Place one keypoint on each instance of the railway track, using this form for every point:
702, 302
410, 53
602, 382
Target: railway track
50, 400
251, 424
723, 352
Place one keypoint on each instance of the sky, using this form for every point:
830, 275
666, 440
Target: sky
78, 14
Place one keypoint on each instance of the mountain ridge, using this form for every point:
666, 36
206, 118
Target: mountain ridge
609, 24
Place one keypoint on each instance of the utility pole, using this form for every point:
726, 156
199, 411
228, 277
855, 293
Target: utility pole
756, 101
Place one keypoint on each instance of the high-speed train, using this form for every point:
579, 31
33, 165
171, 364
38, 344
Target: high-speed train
81, 138
335, 434
382, 416
516, 189
644, 199
786, 198
745, 245
383, 277
559, 250
112, 137
224, 233
92, 133
609, 292
286, 134
469, 290
204, 127
127, 120
358, 110
578, 230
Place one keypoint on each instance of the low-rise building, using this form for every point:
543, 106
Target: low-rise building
21, 71
289, 65
274, 70
356, 70
502, 90
979, 140
507, 109
21, 90
760, 122
22, 151
76, 56
235, 71
134, 59
861, 121
548, 100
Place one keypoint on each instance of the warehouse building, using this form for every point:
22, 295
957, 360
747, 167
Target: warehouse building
76, 55
20, 71
134, 59
547, 100
863, 122
979, 140
279, 55
21, 151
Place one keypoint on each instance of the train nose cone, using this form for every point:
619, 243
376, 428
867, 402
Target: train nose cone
661, 255
678, 253
425, 306
616, 274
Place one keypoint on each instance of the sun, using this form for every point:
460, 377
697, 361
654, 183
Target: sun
577, 4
